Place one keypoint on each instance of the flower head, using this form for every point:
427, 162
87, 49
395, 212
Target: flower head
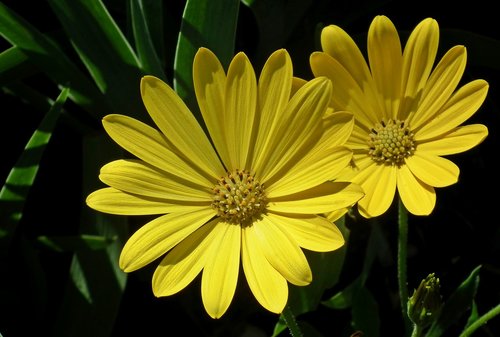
408, 113
248, 193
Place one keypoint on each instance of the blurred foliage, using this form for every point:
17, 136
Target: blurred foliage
64, 64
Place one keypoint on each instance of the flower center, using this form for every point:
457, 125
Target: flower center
391, 142
239, 198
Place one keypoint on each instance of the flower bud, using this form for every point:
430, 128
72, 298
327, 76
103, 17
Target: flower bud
425, 303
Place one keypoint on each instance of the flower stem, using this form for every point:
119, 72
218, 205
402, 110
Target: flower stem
417, 331
291, 322
402, 255
480, 321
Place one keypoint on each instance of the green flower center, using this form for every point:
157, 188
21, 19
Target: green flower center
239, 198
391, 142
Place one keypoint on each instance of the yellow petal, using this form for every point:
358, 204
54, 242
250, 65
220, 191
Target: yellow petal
443, 81
137, 177
418, 197
184, 262
209, 81
348, 95
112, 201
379, 184
275, 84
220, 275
151, 146
338, 127
298, 126
312, 170
282, 252
418, 58
339, 45
461, 106
179, 125
459, 140
267, 285
311, 232
240, 105
433, 170
323, 198
386, 61
159, 236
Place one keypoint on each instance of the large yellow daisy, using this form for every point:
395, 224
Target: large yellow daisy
408, 113
248, 193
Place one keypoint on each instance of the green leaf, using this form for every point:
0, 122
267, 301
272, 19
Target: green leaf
344, 298
210, 24
75, 243
146, 50
459, 302
326, 268
20, 179
104, 50
49, 57
95, 287
14, 65
365, 315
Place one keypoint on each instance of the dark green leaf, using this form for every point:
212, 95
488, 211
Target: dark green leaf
210, 24
343, 299
94, 290
105, 52
48, 56
20, 179
75, 243
148, 56
326, 269
459, 302
365, 315
14, 65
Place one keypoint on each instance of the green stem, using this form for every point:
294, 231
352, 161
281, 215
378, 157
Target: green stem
480, 321
402, 255
417, 331
291, 322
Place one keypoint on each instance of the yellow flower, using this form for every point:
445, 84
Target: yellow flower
252, 196
408, 113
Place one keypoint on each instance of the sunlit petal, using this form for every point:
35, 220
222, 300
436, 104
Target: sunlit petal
433, 170
178, 124
137, 177
159, 236
418, 197
311, 232
459, 140
319, 199
113, 201
282, 252
184, 262
220, 275
267, 285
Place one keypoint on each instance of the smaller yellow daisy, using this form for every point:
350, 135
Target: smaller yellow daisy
250, 194
408, 113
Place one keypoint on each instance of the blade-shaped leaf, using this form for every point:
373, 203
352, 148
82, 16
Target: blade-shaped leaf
146, 50
74, 243
105, 52
96, 283
20, 179
15, 65
365, 315
49, 57
210, 24
459, 302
